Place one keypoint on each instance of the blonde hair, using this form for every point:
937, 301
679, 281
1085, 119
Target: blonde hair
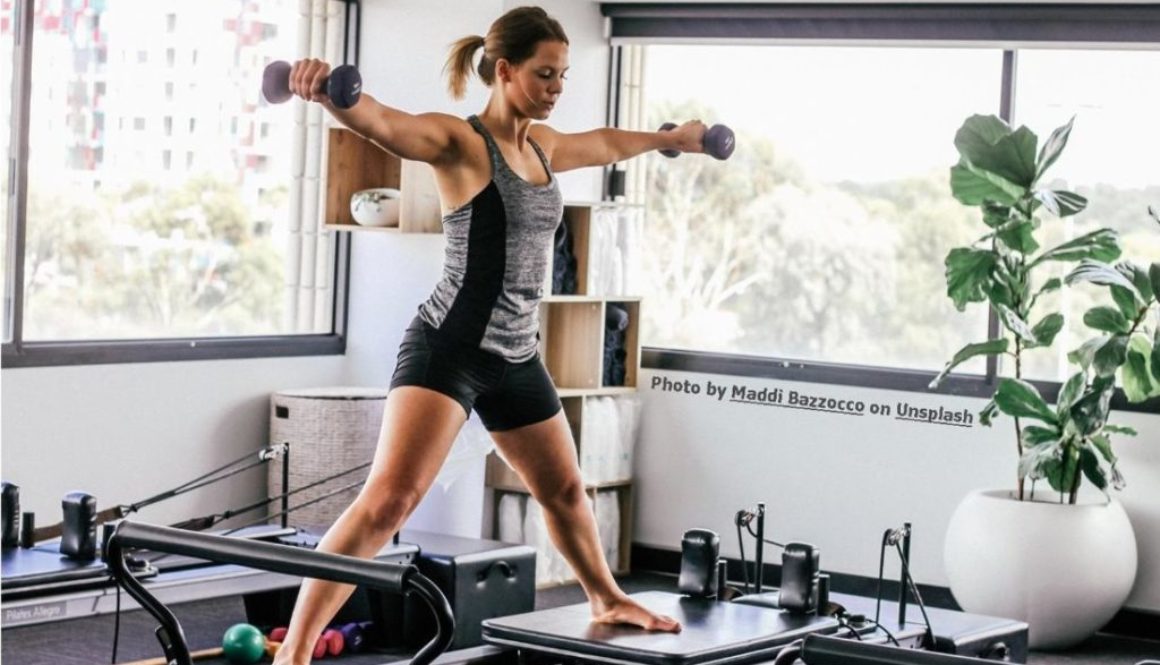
512, 37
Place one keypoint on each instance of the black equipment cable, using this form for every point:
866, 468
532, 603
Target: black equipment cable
116, 624
206, 521
749, 527
265, 455
744, 564
929, 637
344, 488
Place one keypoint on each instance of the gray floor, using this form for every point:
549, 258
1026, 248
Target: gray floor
89, 641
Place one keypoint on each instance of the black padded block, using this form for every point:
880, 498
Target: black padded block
481, 579
714, 632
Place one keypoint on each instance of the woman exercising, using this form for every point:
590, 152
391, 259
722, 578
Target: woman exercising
473, 343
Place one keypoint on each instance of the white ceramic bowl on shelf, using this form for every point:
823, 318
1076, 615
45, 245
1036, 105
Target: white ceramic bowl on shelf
376, 207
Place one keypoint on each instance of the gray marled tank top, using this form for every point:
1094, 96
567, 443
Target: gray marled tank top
496, 261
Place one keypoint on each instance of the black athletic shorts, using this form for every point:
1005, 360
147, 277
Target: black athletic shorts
506, 395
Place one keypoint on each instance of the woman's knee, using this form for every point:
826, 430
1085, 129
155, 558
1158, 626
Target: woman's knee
567, 496
387, 510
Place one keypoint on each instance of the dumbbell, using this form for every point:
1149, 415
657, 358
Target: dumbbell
354, 637
718, 141
331, 642
343, 86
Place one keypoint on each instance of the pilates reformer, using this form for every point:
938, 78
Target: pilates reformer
714, 632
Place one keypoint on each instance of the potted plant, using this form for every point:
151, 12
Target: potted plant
1012, 553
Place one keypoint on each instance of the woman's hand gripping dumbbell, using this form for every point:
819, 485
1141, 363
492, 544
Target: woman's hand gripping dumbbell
312, 80
717, 140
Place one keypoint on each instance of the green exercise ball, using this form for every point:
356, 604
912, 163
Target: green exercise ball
243, 643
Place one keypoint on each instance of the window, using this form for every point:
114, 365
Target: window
823, 239
120, 252
1110, 159
7, 32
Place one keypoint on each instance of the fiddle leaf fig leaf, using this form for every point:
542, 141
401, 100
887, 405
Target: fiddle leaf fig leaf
996, 216
1061, 203
1111, 356
1137, 372
1091, 468
1106, 319
1052, 148
967, 272
1104, 275
1119, 429
1020, 399
1085, 355
1104, 445
973, 186
1046, 330
1138, 276
1034, 435
1013, 322
1129, 306
1070, 391
1156, 356
1019, 236
1099, 245
1090, 411
988, 348
1036, 458
988, 413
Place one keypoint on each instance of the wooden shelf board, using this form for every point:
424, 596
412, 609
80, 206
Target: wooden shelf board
592, 299
360, 227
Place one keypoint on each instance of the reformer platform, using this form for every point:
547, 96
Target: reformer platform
713, 633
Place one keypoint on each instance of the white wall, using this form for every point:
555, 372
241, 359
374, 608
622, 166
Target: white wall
838, 481
125, 432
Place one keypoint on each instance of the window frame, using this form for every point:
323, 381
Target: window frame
869, 25
16, 352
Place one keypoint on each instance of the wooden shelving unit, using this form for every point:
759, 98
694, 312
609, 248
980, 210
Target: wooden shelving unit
355, 163
572, 337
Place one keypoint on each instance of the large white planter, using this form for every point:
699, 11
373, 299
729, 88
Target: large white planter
1063, 569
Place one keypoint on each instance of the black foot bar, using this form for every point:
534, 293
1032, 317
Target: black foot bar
390, 577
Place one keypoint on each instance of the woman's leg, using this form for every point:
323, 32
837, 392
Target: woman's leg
419, 427
544, 456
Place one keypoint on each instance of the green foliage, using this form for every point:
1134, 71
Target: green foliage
1000, 172
150, 261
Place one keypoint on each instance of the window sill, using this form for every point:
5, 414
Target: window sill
962, 385
54, 354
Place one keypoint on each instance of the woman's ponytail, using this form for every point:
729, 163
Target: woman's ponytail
458, 67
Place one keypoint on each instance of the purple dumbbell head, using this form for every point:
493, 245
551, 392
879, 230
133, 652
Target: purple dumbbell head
276, 82
719, 141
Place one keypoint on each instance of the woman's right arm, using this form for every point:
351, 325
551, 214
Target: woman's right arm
427, 137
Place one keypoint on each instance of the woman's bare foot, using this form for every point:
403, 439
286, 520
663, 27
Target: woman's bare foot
623, 609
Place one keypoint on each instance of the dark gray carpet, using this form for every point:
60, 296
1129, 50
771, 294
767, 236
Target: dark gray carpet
90, 641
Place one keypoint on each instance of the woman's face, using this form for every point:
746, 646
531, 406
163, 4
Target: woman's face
538, 82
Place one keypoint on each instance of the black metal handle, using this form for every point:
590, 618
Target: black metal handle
392, 577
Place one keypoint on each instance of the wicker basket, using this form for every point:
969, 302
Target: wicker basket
329, 430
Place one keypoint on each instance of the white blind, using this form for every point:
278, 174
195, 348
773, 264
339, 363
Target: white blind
310, 248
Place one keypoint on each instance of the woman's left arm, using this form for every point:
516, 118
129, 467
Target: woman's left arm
607, 145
